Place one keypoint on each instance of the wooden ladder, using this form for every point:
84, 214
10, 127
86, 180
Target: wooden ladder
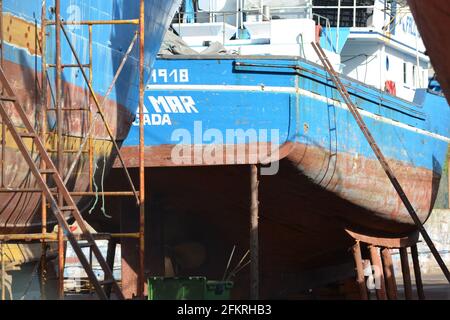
69, 205
354, 111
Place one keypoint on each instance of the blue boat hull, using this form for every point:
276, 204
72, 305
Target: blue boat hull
290, 108
22, 64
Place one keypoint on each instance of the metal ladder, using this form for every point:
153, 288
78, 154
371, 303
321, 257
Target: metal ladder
69, 203
387, 169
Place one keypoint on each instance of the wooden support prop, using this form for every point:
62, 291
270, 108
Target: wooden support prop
254, 229
375, 259
356, 250
406, 273
2, 256
380, 156
389, 275
110, 256
417, 274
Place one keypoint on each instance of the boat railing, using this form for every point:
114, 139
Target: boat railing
339, 14
183, 17
327, 31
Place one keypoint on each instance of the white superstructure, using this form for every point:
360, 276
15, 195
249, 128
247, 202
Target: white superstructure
373, 41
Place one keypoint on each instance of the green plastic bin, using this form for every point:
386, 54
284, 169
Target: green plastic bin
218, 290
190, 288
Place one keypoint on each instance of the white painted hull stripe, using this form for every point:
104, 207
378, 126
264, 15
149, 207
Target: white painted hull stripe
303, 92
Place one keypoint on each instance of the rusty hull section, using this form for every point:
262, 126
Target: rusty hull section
19, 210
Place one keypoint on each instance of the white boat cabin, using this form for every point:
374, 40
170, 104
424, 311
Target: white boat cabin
373, 41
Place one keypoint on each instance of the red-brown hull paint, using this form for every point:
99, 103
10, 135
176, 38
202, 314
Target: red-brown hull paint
353, 178
19, 211
303, 242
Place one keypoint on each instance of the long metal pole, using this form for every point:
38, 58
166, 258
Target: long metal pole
100, 111
3, 272
91, 146
380, 156
60, 144
417, 273
254, 230
92, 122
391, 286
356, 250
375, 259
406, 273
43, 137
3, 155
141, 151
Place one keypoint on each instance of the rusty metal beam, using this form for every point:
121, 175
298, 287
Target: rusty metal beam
43, 133
254, 233
388, 268
3, 271
141, 279
99, 109
360, 280
91, 143
101, 113
406, 273
392, 243
375, 259
3, 154
417, 273
98, 22
76, 193
110, 256
380, 156
53, 237
51, 65
60, 142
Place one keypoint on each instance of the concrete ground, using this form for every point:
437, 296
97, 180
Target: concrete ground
435, 286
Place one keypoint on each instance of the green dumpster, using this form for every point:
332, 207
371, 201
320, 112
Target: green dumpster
189, 288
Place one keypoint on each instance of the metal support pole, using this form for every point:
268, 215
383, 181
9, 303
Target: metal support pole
406, 274
417, 274
3, 272
141, 152
60, 143
254, 230
375, 259
110, 256
43, 267
91, 146
3, 154
384, 164
388, 267
360, 280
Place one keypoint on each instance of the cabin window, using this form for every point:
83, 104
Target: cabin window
424, 79
414, 75
344, 11
405, 75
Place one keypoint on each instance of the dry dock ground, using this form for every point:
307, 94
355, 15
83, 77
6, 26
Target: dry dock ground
435, 287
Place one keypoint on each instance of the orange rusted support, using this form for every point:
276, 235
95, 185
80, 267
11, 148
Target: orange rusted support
417, 274
59, 141
43, 120
254, 233
389, 275
141, 279
375, 259
356, 250
3, 153
99, 22
406, 273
